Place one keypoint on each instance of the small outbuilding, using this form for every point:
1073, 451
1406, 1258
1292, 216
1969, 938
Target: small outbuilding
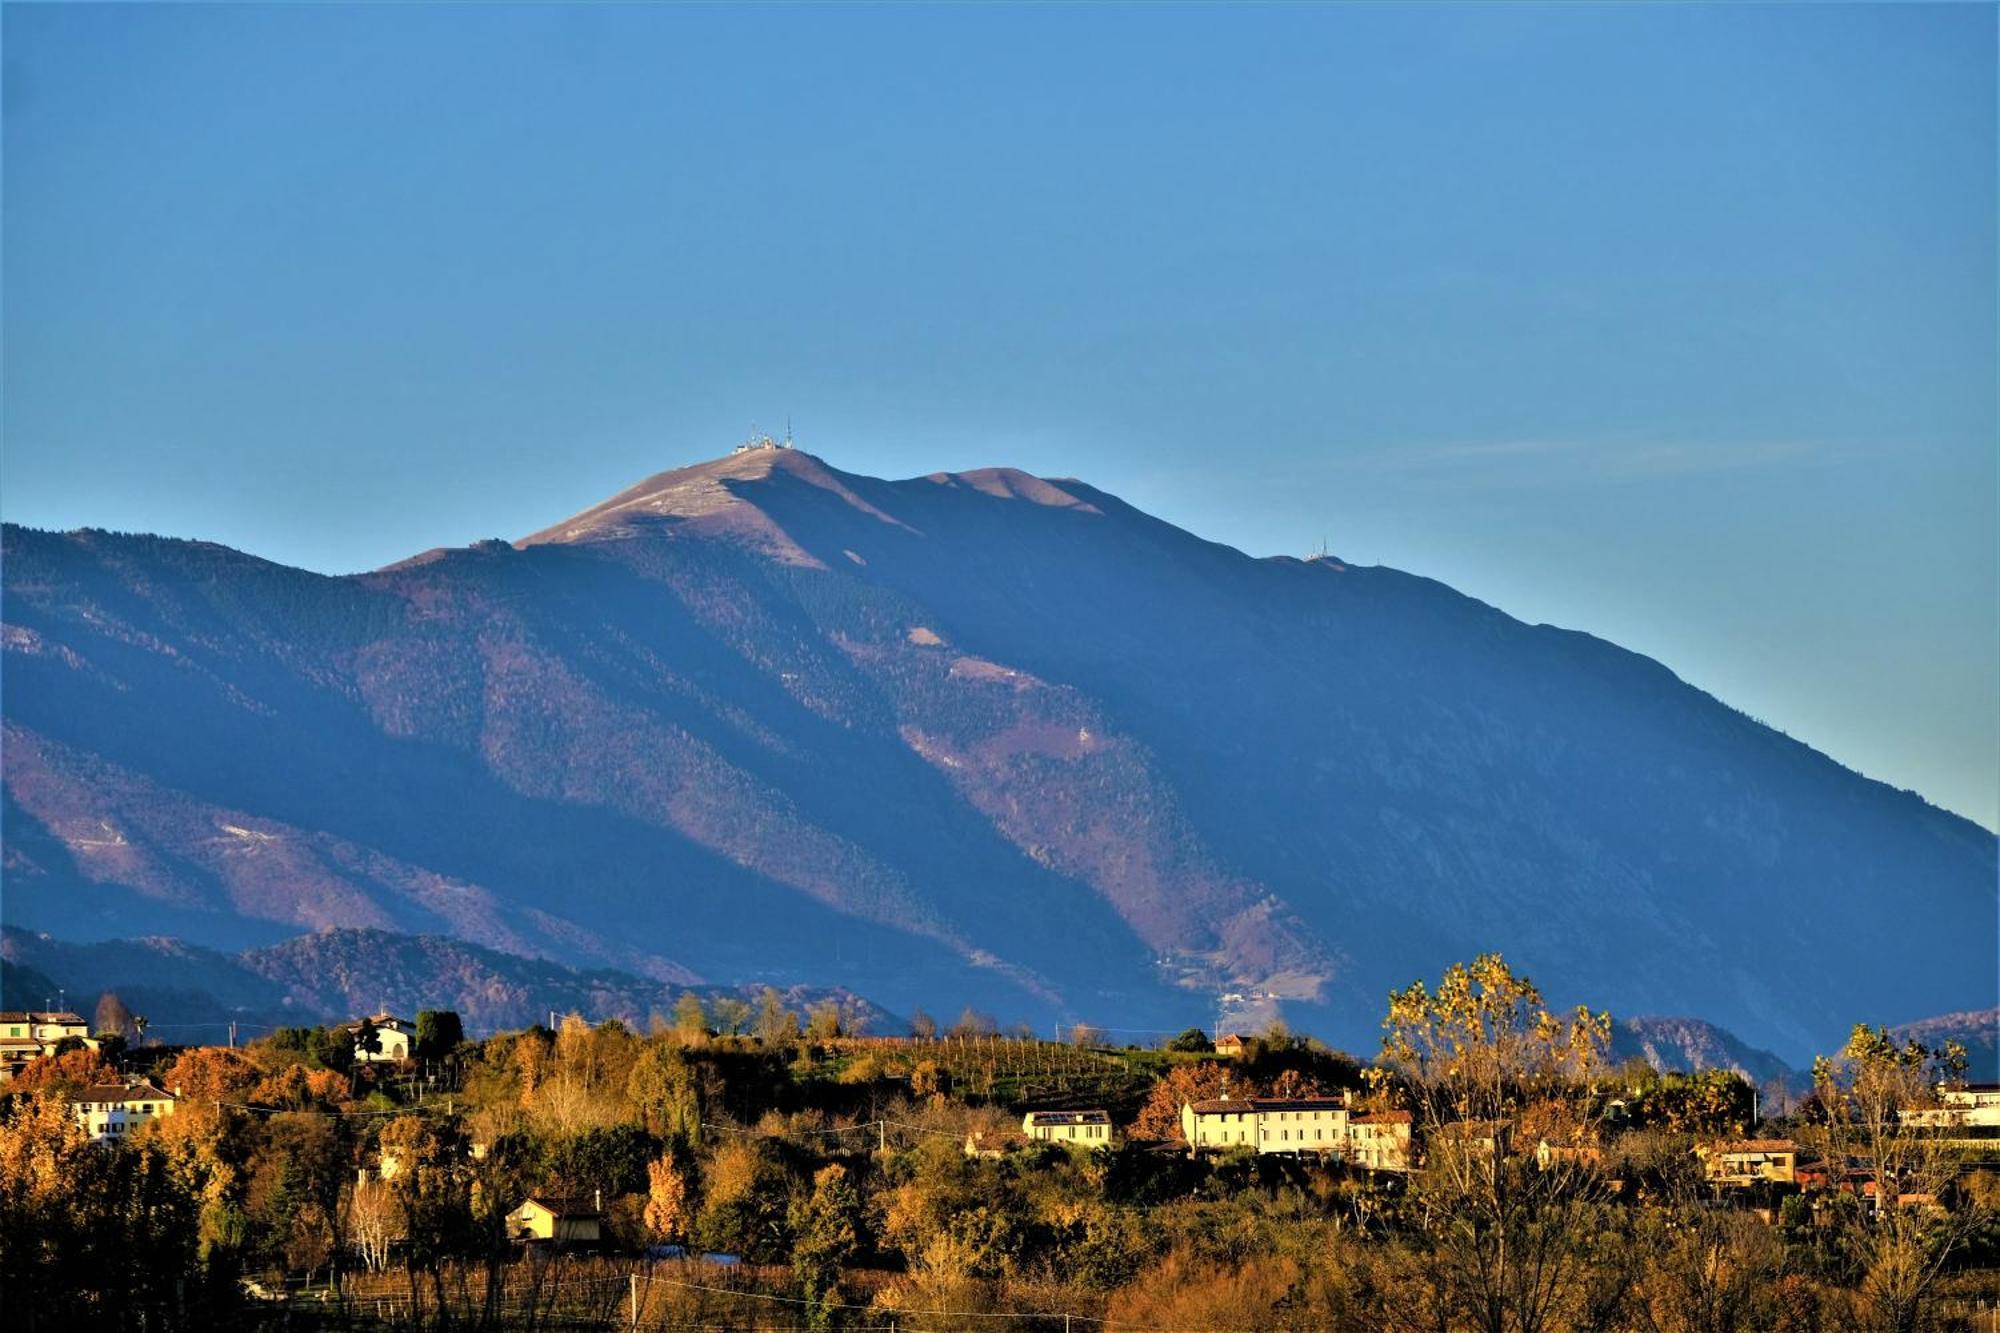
557, 1218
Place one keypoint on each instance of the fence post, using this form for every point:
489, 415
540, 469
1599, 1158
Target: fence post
633, 1279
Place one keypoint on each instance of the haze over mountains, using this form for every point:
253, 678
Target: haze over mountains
971, 738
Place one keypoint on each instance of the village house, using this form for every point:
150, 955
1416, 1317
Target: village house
1219, 1123
1577, 1151
393, 1038
1974, 1106
1301, 1124
557, 1219
31, 1034
1379, 1140
1291, 1125
1090, 1129
1231, 1044
110, 1111
1738, 1163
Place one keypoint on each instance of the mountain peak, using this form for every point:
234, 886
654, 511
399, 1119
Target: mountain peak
718, 497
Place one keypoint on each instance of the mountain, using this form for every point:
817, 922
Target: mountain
193, 994
1690, 1045
1977, 1031
976, 738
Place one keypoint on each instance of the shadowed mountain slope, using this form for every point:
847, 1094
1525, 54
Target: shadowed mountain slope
975, 737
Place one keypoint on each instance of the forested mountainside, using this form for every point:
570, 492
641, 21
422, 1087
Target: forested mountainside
969, 738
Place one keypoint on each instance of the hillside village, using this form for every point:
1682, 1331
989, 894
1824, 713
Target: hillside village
804, 1160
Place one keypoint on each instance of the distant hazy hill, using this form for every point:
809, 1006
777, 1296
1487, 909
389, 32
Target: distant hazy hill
1977, 1030
977, 738
1690, 1044
187, 993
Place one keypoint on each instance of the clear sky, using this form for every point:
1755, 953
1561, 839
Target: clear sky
1674, 324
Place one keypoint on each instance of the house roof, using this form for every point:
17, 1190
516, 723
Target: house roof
1231, 1038
1069, 1117
1218, 1105
1381, 1118
1757, 1145
563, 1205
1298, 1103
123, 1092
61, 1016
379, 1020
1230, 1105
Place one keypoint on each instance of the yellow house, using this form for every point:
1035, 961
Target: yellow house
1089, 1129
557, 1218
1218, 1123
1292, 1125
110, 1111
1301, 1125
30, 1034
1379, 1140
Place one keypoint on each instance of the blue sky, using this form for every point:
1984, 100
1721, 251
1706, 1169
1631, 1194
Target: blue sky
1674, 324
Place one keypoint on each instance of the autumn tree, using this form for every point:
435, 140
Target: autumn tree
214, 1073
432, 1189
97, 1237
670, 1204
823, 1020
743, 1202
1877, 1102
665, 1092
826, 1227
775, 1023
730, 1014
64, 1075
974, 1023
113, 1018
1160, 1115
690, 1020
1507, 1234
922, 1026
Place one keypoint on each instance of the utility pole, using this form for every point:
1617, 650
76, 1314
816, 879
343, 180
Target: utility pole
232, 1034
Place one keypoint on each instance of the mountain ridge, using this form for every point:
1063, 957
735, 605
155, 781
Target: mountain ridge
1065, 756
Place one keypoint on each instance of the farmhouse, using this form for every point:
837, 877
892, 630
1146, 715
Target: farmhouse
110, 1111
393, 1038
1740, 1162
1090, 1128
30, 1034
1301, 1124
1317, 1125
1379, 1140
